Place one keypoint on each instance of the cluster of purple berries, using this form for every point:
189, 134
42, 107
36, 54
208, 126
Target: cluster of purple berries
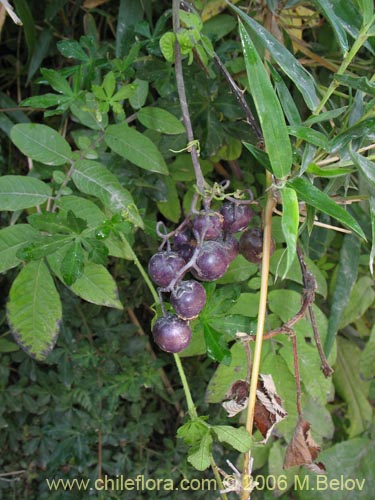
203, 246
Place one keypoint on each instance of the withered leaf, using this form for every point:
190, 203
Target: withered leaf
303, 450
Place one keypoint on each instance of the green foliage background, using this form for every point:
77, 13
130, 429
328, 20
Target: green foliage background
99, 120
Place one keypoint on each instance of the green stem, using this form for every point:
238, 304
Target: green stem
362, 37
218, 477
141, 270
189, 400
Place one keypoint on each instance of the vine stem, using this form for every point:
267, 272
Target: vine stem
267, 232
183, 101
349, 56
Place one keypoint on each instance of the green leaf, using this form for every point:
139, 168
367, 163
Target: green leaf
83, 208
366, 166
41, 143
76, 224
24, 12
7, 346
166, 43
129, 13
72, 50
215, 342
238, 438
135, 147
352, 459
225, 375
287, 102
193, 431
39, 53
45, 101
58, 82
72, 263
12, 238
199, 456
367, 9
309, 135
94, 179
160, 120
34, 310
366, 362
320, 200
287, 62
289, 223
336, 23
170, 207
346, 277
239, 269
138, 98
50, 222
359, 83
96, 285
18, 192
372, 216
351, 388
328, 172
269, 110
42, 246
360, 130
259, 155
326, 115
361, 298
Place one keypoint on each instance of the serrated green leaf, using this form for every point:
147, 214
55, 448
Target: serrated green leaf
92, 178
12, 238
351, 388
135, 147
269, 110
72, 50
336, 23
287, 62
41, 143
58, 82
72, 263
199, 456
160, 120
320, 200
346, 277
18, 192
96, 285
238, 438
50, 222
42, 246
289, 223
34, 310
193, 431
225, 375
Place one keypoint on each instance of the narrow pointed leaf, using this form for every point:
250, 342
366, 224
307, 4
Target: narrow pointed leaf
287, 62
366, 166
72, 264
336, 23
309, 135
135, 147
12, 238
359, 83
92, 178
365, 128
320, 200
269, 110
289, 223
18, 192
34, 310
41, 143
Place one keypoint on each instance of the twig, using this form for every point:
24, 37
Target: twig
240, 98
267, 230
326, 368
183, 101
296, 373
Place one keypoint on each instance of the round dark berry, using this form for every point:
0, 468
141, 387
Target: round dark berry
163, 267
231, 246
236, 216
171, 333
182, 237
208, 224
251, 245
212, 261
188, 299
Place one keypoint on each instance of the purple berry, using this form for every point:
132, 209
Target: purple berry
182, 237
212, 261
208, 224
251, 245
188, 299
236, 216
171, 333
164, 266
231, 246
